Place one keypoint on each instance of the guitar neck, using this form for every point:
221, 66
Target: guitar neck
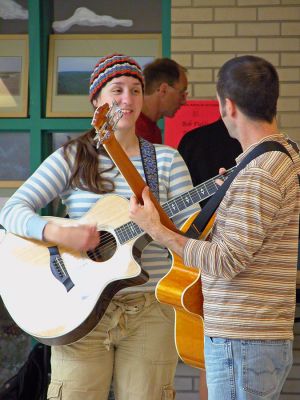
198, 193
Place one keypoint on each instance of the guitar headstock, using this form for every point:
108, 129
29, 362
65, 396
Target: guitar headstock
104, 121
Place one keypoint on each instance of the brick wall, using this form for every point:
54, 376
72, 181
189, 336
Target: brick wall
206, 33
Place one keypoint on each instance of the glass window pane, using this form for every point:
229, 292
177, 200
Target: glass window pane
14, 156
60, 138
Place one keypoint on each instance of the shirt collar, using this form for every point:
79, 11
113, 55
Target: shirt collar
278, 137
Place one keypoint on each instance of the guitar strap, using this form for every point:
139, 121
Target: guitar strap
210, 207
150, 165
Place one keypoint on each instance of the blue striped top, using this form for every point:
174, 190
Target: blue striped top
51, 180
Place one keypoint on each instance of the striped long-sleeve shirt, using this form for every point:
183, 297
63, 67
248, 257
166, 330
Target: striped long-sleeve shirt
249, 262
52, 180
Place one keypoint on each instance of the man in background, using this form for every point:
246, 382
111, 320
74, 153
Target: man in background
165, 92
206, 149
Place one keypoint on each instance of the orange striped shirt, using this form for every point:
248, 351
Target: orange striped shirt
248, 264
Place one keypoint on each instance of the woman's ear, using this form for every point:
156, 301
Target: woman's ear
94, 102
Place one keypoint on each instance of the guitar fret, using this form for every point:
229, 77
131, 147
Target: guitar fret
178, 204
127, 232
120, 236
135, 229
211, 187
203, 192
173, 208
187, 199
194, 196
167, 209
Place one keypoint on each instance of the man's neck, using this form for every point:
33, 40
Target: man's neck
254, 131
151, 108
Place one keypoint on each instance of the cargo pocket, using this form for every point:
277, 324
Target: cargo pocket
168, 393
55, 391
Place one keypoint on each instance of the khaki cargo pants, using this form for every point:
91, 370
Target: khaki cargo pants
133, 346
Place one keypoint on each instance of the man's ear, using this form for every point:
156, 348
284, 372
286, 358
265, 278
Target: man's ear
230, 107
163, 87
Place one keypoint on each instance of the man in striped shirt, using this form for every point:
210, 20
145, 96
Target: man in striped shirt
248, 264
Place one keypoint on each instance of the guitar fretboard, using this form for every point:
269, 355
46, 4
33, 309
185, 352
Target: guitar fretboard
195, 195
130, 230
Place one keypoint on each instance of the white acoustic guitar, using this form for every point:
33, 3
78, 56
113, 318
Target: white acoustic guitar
58, 295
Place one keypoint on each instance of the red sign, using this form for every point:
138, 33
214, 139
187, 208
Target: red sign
193, 114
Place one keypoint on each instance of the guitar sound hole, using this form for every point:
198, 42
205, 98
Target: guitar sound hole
106, 248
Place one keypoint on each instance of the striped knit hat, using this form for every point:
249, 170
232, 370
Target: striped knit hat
110, 67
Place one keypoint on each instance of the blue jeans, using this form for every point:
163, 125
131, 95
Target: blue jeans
246, 369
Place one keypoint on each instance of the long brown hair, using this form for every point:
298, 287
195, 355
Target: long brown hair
85, 172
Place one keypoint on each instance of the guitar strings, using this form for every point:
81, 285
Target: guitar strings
107, 243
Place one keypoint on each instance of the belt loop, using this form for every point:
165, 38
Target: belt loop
149, 299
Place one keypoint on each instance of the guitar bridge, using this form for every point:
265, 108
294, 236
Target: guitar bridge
58, 268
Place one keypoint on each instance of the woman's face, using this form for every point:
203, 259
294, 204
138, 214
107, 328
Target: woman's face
127, 92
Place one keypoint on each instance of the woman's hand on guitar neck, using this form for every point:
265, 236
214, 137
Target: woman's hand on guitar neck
147, 217
79, 238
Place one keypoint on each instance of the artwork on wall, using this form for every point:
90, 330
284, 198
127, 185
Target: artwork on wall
72, 59
82, 16
13, 75
10, 9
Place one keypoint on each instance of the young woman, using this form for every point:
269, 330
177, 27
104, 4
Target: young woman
133, 344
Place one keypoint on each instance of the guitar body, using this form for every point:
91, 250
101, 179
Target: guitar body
58, 310
181, 289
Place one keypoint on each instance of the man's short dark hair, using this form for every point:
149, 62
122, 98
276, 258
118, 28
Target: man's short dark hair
253, 84
159, 71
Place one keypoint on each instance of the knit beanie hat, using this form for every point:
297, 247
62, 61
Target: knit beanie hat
110, 67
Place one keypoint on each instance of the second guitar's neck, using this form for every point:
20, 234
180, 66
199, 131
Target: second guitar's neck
198, 193
130, 230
